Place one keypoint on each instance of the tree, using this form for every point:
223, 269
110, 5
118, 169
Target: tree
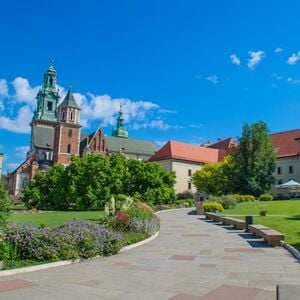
215, 178
5, 205
254, 160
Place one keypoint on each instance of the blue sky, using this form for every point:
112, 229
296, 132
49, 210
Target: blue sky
190, 71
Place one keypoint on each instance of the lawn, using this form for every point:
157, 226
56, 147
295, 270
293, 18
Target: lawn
54, 218
283, 216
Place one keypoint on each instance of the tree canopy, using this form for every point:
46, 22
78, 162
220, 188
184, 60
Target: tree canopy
89, 181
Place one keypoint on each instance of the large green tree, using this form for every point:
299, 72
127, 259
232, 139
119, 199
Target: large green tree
215, 178
89, 181
254, 160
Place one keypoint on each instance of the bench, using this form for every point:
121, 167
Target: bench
213, 216
237, 223
272, 237
287, 292
256, 228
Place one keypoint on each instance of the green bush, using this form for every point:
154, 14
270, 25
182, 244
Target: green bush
243, 198
185, 195
212, 207
5, 205
227, 201
263, 213
265, 197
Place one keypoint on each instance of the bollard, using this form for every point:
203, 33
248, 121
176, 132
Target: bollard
248, 221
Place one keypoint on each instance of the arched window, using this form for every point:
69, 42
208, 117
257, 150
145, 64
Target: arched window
70, 132
71, 116
69, 148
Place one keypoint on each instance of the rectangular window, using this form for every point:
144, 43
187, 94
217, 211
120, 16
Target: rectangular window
69, 149
291, 170
190, 172
49, 105
278, 170
189, 186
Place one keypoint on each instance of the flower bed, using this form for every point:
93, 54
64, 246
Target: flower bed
70, 241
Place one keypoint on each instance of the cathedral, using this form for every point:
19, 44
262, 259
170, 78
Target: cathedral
56, 135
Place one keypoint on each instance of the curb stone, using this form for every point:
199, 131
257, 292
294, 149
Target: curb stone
70, 262
291, 249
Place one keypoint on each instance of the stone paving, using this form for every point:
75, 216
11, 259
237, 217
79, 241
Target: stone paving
191, 259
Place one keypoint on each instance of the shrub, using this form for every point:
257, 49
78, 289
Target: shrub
145, 225
5, 206
263, 213
212, 207
265, 197
243, 198
185, 195
227, 201
70, 241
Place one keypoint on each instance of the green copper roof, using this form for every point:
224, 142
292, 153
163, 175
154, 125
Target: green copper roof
119, 144
69, 101
120, 130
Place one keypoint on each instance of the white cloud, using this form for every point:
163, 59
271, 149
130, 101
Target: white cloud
293, 80
276, 76
3, 88
196, 125
213, 78
20, 104
278, 50
24, 93
154, 124
22, 151
294, 58
235, 59
20, 123
255, 58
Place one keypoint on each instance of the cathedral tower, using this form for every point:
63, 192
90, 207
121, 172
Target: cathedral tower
120, 130
67, 130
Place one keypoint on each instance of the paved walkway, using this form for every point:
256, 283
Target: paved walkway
191, 259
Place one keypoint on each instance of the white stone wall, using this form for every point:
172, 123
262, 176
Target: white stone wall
284, 164
181, 169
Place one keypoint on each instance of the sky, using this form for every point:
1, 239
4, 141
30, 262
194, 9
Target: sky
189, 71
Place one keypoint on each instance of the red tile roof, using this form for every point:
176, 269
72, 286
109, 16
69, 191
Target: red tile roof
224, 144
285, 144
188, 152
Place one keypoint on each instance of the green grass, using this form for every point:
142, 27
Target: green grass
54, 218
133, 237
283, 216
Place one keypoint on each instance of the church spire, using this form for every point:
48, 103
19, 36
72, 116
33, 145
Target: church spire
120, 130
47, 97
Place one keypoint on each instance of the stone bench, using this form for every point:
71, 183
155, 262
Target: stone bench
288, 292
213, 216
272, 237
237, 223
256, 228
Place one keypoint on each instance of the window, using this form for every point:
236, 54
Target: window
279, 181
69, 149
71, 116
70, 132
291, 170
49, 105
190, 172
63, 115
189, 186
278, 170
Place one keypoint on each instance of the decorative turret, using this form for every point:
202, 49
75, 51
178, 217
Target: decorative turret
68, 110
47, 97
67, 130
120, 130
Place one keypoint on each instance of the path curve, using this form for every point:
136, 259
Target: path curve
191, 259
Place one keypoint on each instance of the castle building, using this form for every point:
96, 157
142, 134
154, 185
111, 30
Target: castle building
56, 136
